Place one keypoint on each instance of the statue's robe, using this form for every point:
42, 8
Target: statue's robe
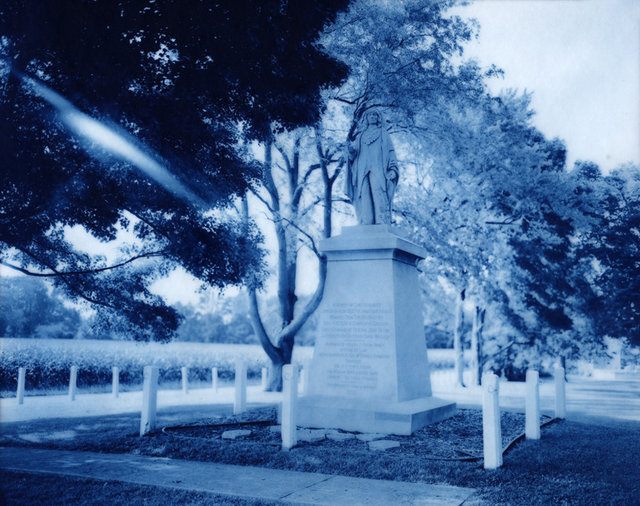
372, 176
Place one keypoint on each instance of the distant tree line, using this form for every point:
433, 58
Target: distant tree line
33, 308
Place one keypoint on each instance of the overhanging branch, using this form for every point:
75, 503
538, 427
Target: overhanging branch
64, 279
86, 271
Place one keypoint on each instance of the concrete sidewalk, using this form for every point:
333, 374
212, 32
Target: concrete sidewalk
104, 404
229, 480
619, 399
615, 399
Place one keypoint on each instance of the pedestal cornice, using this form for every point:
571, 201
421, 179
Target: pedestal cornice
373, 239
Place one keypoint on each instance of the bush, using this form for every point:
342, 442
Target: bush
438, 338
48, 361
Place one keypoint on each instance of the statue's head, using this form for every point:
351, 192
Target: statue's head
373, 118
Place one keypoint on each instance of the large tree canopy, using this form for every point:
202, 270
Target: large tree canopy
188, 82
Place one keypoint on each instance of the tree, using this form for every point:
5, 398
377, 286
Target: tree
306, 164
285, 194
187, 84
469, 203
29, 310
222, 322
558, 269
610, 249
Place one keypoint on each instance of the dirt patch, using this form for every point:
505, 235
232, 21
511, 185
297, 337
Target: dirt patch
458, 437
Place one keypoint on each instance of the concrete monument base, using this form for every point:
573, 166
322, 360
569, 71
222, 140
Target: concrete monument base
401, 418
370, 371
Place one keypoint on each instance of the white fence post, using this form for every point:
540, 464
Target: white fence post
185, 380
21, 377
240, 399
149, 400
115, 381
491, 428
532, 414
73, 377
214, 378
264, 378
561, 401
289, 394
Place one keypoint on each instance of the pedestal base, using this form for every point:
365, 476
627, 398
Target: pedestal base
400, 418
370, 370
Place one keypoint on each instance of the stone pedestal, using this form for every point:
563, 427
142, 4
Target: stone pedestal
370, 371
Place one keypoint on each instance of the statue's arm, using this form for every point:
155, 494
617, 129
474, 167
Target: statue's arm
392, 171
352, 148
352, 153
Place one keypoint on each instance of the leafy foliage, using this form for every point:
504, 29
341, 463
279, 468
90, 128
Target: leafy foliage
483, 190
610, 251
187, 84
29, 310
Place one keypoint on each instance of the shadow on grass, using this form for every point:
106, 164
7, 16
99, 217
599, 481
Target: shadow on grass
573, 463
25, 488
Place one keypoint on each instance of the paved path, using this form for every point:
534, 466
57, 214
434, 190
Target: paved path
102, 404
228, 480
616, 399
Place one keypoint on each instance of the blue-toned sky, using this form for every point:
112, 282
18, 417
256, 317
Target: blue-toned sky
581, 60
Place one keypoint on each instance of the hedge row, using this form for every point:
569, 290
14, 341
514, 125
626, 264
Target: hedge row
48, 361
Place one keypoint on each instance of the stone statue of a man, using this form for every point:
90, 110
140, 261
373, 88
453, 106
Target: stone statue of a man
372, 172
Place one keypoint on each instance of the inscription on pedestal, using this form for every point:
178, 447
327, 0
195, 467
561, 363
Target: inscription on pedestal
356, 351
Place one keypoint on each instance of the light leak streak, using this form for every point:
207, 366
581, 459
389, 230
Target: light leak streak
114, 143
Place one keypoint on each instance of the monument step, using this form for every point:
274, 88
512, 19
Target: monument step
400, 418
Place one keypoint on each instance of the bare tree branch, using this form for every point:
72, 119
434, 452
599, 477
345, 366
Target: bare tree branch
79, 292
311, 239
258, 328
297, 323
280, 150
264, 201
310, 207
87, 271
508, 221
301, 187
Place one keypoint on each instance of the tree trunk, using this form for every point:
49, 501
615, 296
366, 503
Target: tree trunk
476, 346
457, 340
328, 187
473, 363
281, 352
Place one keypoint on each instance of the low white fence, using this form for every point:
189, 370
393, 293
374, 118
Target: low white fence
492, 433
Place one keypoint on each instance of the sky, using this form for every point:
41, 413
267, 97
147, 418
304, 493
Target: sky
581, 61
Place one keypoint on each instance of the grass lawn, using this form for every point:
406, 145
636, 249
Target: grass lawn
573, 463
25, 488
